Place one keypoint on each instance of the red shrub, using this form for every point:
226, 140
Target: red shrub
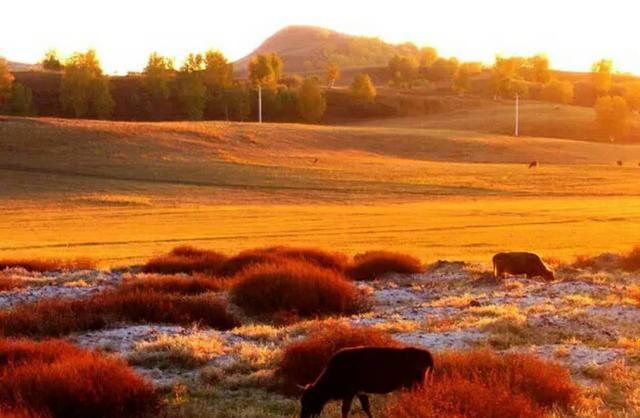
185, 259
631, 261
9, 283
303, 361
479, 384
314, 256
42, 265
294, 286
60, 380
373, 264
18, 412
190, 285
57, 317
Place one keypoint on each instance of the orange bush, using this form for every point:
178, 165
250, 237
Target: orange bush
42, 265
481, 383
59, 380
62, 316
8, 283
18, 412
191, 285
294, 286
303, 361
314, 256
373, 264
185, 259
631, 261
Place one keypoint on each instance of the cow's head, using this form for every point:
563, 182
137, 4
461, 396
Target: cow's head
311, 403
548, 275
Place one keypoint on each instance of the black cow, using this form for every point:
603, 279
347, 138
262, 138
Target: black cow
520, 263
357, 371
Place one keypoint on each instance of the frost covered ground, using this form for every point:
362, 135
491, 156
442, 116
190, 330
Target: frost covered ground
585, 320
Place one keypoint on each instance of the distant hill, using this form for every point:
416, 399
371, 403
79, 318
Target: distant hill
308, 48
21, 66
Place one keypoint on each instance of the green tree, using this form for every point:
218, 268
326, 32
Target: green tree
51, 61
613, 116
311, 101
362, 89
21, 102
84, 90
505, 75
442, 69
536, 69
558, 91
218, 71
191, 90
601, 76
156, 78
6, 83
427, 56
265, 69
404, 69
462, 79
332, 74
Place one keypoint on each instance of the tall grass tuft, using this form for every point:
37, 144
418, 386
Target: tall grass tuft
186, 259
374, 264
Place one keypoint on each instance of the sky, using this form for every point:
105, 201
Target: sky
573, 33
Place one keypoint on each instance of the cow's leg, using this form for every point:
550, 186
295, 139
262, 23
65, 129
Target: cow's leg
366, 407
346, 405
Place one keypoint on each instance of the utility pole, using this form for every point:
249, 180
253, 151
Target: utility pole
517, 114
259, 103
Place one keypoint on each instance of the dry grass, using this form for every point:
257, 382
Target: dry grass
184, 285
51, 264
303, 361
63, 381
482, 384
186, 259
294, 286
58, 317
180, 351
374, 264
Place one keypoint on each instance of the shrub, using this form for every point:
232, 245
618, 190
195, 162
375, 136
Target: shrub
52, 264
10, 283
631, 261
185, 259
59, 380
19, 412
373, 264
294, 286
303, 361
174, 284
324, 259
485, 384
62, 316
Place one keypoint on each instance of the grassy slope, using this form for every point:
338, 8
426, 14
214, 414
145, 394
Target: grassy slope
123, 191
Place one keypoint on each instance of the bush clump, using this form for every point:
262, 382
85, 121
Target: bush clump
62, 316
373, 264
303, 361
294, 286
55, 379
184, 285
479, 384
186, 259
51, 264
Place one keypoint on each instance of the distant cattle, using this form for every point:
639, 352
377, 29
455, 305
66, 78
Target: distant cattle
357, 371
534, 164
520, 263
619, 163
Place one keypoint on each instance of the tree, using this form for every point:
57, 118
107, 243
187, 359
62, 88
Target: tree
84, 90
404, 69
462, 79
362, 89
506, 71
332, 74
218, 71
51, 61
536, 69
6, 82
21, 102
191, 91
443, 69
427, 56
613, 116
632, 94
311, 101
601, 76
156, 78
265, 69
558, 91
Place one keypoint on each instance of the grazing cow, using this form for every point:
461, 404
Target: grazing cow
619, 163
357, 371
520, 263
534, 164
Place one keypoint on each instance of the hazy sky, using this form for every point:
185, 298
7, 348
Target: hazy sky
573, 33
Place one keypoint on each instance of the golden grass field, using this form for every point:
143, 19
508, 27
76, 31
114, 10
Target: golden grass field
120, 192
